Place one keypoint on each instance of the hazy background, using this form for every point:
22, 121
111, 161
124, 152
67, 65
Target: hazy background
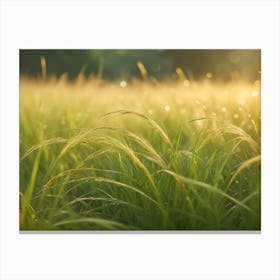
116, 64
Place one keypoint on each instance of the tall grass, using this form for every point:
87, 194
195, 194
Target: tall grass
139, 156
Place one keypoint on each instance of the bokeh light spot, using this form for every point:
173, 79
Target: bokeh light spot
167, 108
209, 75
223, 109
123, 84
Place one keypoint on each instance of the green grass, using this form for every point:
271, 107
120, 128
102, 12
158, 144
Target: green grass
171, 156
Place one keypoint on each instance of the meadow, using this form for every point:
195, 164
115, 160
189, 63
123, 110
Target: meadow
139, 155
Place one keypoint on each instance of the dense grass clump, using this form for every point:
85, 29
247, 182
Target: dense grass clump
141, 156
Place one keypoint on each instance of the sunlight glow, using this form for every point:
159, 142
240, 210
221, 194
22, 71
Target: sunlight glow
242, 101
254, 93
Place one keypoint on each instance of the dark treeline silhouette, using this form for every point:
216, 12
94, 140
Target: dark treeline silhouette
116, 64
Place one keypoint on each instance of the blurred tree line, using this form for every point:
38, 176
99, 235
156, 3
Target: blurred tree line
120, 64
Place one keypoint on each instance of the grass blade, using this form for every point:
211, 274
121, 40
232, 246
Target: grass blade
243, 166
207, 187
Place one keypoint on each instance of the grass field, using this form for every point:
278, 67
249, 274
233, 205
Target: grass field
139, 156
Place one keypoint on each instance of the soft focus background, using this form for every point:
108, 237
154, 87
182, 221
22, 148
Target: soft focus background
114, 64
